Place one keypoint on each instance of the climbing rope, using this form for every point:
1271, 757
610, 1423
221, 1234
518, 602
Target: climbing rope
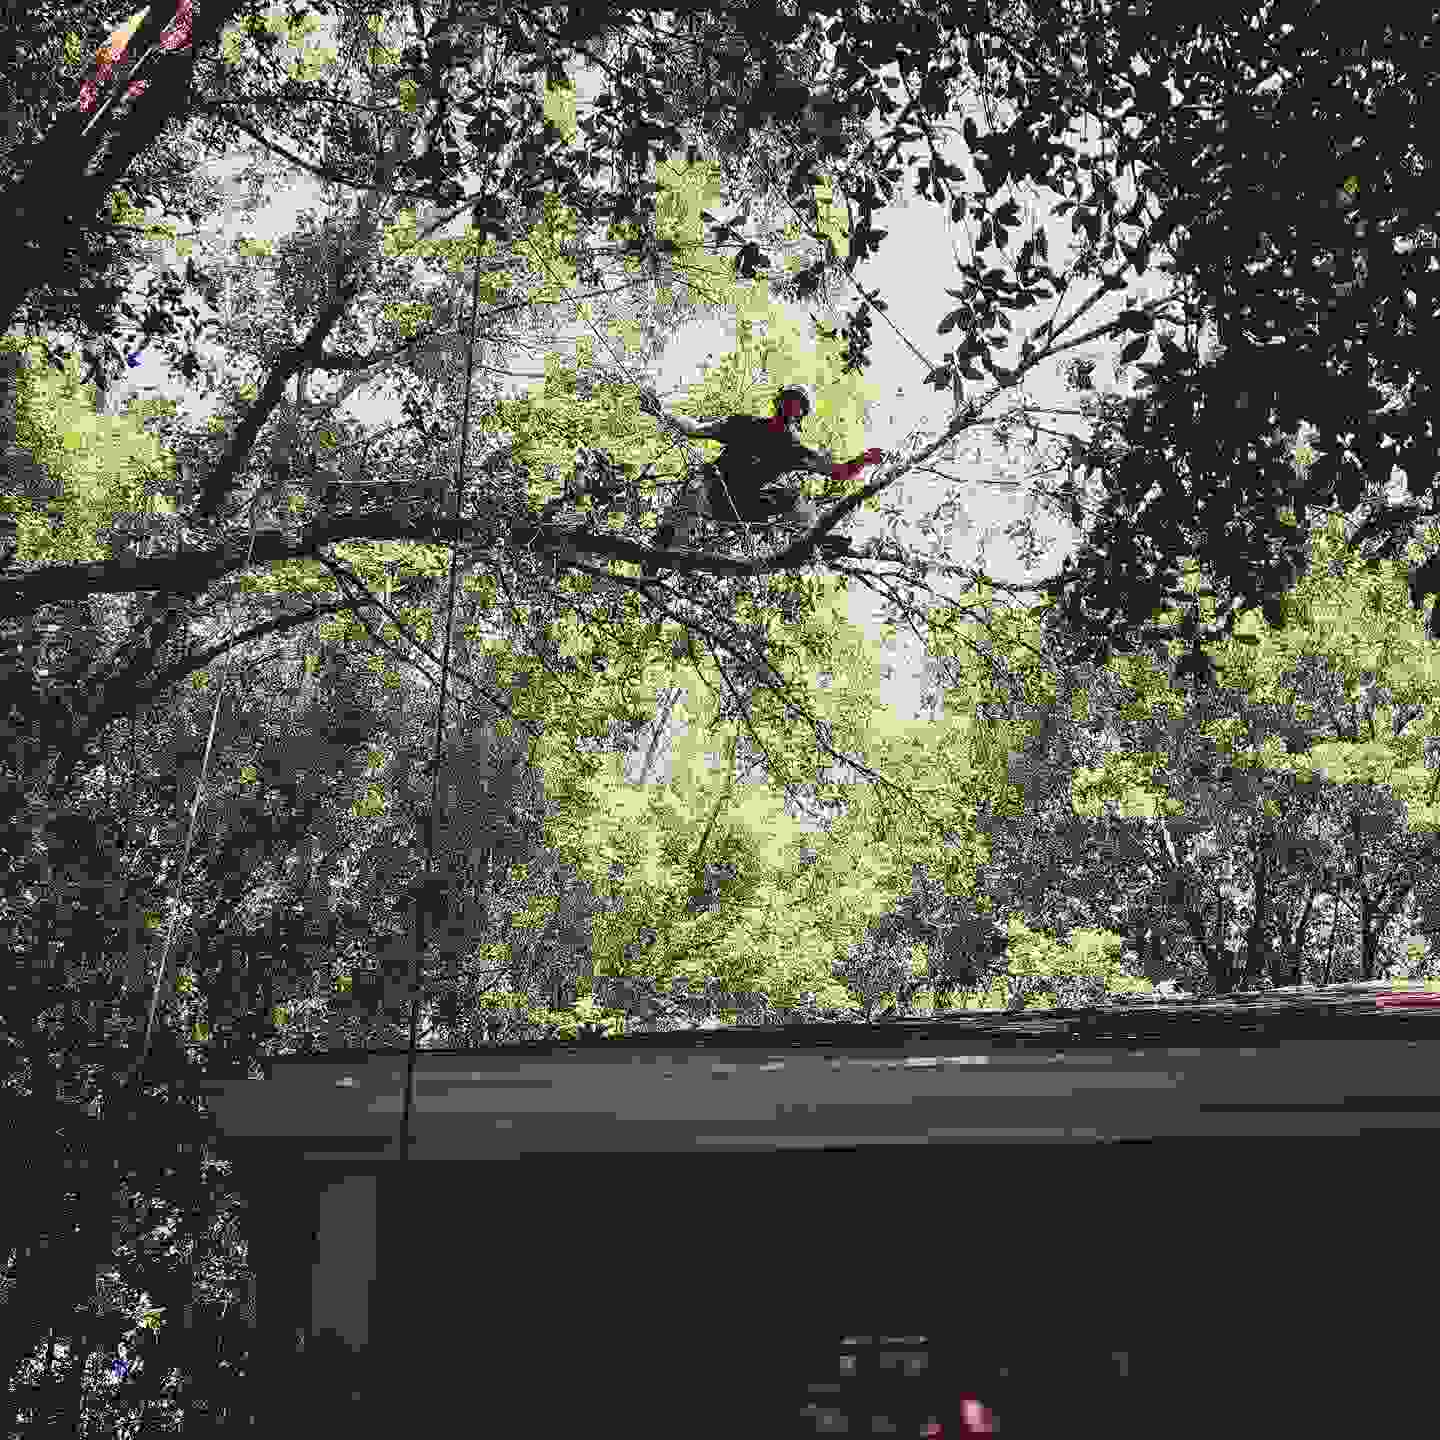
425, 891
676, 441
195, 805
148, 1037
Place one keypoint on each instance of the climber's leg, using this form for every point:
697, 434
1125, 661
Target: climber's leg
785, 504
804, 512
679, 523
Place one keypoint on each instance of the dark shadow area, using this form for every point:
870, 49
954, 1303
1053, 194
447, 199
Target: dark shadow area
1236, 1282
1209, 1288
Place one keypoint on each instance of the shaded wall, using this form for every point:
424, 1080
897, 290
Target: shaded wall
1250, 1281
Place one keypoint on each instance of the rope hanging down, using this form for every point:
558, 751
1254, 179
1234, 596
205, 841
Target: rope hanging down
145, 1043
424, 891
366, 228
148, 1038
676, 442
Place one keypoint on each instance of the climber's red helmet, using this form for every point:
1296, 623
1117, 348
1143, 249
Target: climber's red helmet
793, 402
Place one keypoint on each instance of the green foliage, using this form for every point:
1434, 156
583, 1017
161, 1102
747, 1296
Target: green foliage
553, 422
709, 885
1352, 620
97, 468
306, 58
1082, 972
560, 110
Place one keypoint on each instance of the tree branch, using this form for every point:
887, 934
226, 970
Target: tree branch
192, 572
222, 114
197, 660
60, 191
348, 265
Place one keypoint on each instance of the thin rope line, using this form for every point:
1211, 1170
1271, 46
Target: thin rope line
195, 808
425, 891
676, 441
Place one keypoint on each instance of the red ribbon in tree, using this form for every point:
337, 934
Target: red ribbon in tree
175, 36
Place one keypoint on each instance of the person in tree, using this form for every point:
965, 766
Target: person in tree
748, 482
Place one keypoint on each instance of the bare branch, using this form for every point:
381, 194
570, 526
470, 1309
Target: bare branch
348, 265
222, 113
197, 660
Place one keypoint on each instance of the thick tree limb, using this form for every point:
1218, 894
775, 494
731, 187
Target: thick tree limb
60, 190
193, 572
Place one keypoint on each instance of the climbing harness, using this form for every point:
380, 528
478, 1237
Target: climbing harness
694, 523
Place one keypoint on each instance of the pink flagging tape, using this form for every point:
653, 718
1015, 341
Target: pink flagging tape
975, 1419
1409, 998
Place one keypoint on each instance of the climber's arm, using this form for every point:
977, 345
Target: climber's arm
847, 470
691, 429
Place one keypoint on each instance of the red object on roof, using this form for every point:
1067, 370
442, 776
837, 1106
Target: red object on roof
1408, 997
975, 1419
